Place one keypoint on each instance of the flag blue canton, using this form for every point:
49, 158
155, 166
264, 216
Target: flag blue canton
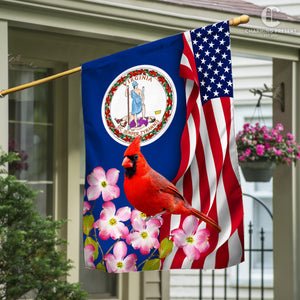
211, 47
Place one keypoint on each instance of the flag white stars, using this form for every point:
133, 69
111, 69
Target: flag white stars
211, 46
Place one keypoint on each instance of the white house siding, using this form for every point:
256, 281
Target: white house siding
249, 73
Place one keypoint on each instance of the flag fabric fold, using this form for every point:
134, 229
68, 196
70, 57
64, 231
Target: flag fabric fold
176, 94
208, 140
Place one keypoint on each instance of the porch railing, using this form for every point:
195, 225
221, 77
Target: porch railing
251, 280
237, 286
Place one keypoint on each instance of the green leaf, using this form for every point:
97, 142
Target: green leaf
152, 264
88, 221
101, 267
35, 263
166, 247
90, 241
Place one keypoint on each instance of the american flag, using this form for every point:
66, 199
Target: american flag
208, 175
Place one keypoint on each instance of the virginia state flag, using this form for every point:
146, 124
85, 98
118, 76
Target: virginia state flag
176, 94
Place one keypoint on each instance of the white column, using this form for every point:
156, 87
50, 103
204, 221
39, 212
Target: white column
4, 85
296, 111
286, 191
73, 206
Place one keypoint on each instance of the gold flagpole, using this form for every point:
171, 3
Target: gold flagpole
40, 81
233, 22
239, 20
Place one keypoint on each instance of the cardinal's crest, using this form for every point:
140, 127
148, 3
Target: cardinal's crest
139, 101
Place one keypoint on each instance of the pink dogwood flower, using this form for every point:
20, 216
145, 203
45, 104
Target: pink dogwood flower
145, 235
117, 263
191, 239
136, 214
89, 256
110, 222
103, 183
86, 207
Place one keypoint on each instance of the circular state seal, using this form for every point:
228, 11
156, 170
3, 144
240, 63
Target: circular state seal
140, 101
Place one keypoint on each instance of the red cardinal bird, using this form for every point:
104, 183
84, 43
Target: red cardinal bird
150, 192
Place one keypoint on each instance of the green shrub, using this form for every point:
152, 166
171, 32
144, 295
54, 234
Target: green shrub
29, 257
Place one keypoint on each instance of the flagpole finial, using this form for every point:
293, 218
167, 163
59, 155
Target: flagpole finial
239, 20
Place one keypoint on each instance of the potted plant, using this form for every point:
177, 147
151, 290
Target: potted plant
260, 149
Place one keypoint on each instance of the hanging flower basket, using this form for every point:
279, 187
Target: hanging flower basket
260, 149
259, 171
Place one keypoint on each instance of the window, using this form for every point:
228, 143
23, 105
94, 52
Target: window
31, 132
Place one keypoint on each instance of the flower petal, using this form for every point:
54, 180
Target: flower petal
179, 237
93, 192
132, 237
118, 230
135, 214
123, 213
202, 235
108, 208
124, 231
112, 176
120, 250
110, 192
96, 224
86, 207
99, 174
153, 226
89, 256
138, 224
191, 252
130, 263
104, 233
145, 248
91, 179
190, 225
111, 263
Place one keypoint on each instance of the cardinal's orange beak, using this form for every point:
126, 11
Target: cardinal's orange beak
127, 163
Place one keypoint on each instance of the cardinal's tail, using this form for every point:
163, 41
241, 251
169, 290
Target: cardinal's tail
205, 218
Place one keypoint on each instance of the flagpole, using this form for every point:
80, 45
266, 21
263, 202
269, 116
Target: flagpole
239, 20
40, 81
232, 22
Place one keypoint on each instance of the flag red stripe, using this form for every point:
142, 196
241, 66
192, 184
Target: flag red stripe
185, 154
203, 180
206, 170
191, 71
